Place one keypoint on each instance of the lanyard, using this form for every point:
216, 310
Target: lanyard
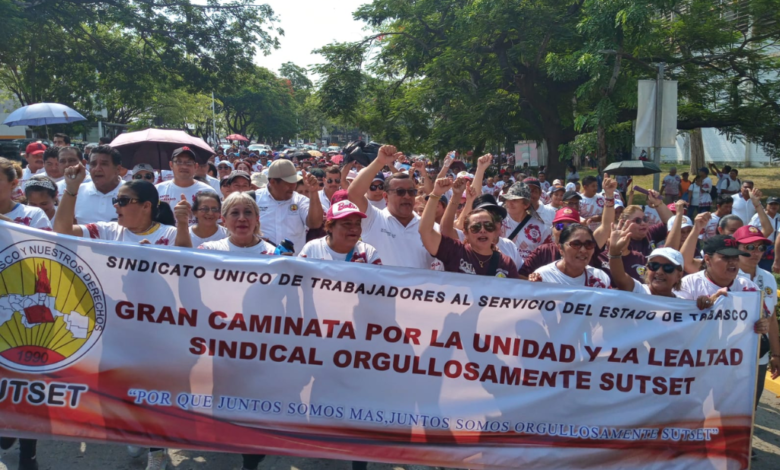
349, 255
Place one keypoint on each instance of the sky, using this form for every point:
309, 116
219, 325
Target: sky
309, 25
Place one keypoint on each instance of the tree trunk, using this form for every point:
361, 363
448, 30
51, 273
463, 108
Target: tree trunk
556, 168
697, 152
602, 146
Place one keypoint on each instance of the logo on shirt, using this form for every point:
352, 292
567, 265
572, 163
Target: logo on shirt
533, 233
502, 273
293, 207
466, 267
600, 202
52, 308
640, 270
594, 281
387, 232
768, 292
23, 220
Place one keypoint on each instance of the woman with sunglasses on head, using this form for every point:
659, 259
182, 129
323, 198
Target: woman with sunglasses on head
207, 210
478, 255
242, 221
576, 245
141, 217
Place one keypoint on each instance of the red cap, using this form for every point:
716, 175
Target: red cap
567, 214
749, 234
340, 195
35, 148
673, 207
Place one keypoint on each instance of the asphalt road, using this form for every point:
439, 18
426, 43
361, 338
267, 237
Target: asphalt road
82, 456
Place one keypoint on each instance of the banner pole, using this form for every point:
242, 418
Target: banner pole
758, 358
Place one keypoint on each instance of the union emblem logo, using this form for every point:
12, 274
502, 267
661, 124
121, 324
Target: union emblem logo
52, 308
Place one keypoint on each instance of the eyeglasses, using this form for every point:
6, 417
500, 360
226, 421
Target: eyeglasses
337, 181
205, 210
561, 225
668, 268
760, 248
122, 201
376, 187
403, 192
640, 220
145, 176
576, 244
187, 163
488, 226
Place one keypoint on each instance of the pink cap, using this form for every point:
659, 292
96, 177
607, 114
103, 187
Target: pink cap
342, 209
338, 196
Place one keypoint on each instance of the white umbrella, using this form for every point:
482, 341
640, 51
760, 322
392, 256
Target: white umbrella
43, 114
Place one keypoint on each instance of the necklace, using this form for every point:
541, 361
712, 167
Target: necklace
145, 232
481, 263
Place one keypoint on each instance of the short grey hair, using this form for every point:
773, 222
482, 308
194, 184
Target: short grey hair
726, 219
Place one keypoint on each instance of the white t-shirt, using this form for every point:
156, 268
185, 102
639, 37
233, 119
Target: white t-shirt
756, 222
214, 183
592, 207
324, 200
742, 208
380, 204
158, 235
27, 174
262, 248
535, 233
592, 277
29, 216
711, 229
166, 175
319, 249
640, 288
218, 235
672, 184
93, 206
171, 194
652, 216
283, 219
765, 282
547, 213
696, 285
725, 183
399, 245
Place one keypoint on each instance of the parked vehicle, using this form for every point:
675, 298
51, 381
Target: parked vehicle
11, 150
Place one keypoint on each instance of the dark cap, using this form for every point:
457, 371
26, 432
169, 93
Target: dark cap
773, 200
379, 177
182, 150
317, 172
489, 203
532, 181
238, 174
571, 195
725, 245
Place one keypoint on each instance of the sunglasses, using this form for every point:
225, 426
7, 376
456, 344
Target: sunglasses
376, 187
640, 220
122, 201
145, 176
187, 163
205, 210
561, 225
403, 192
488, 226
668, 268
760, 248
337, 181
576, 244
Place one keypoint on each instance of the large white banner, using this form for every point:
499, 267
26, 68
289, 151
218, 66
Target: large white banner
190, 349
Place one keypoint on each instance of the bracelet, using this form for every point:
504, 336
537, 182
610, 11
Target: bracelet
615, 256
433, 196
71, 194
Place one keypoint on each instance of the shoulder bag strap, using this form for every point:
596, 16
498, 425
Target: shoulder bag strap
493, 266
519, 227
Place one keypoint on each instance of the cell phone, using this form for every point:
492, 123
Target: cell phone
642, 190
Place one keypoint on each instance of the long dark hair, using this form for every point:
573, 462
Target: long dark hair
570, 230
145, 191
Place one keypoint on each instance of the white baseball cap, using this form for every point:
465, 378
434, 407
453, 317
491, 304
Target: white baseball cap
685, 223
465, 174
669, 253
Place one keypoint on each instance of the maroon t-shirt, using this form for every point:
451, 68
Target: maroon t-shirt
459, 258
548, 253
633, 263
655, 234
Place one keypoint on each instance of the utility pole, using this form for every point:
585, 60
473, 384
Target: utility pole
659, 101
213, 118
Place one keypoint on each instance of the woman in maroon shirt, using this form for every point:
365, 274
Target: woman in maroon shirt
479, 254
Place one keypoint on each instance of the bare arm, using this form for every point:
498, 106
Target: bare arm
359, 187
663, 212
316, 215
482, 164
431, 238
447, 225
603, 231
344, 173
618, 244
66, 211
674, 236
182, 212
766, 224
688, 250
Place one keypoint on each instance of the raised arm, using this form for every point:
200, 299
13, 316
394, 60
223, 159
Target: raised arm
430, 237
181, 213
675, 234
66, 210
618, 247
482, 164
688, 250
603, 231
316, 215
447, 225
359, 187
344, 173
663, 212
766, 224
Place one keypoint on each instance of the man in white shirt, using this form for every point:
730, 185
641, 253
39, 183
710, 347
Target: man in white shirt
743, 207
724, 204
51, 162
592, 204
376, 191
393, 231
95, 199
203, 171
331, 183
670, 187
34, 155
184, 165
61, 140
728, 183
285, 213
546, 213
